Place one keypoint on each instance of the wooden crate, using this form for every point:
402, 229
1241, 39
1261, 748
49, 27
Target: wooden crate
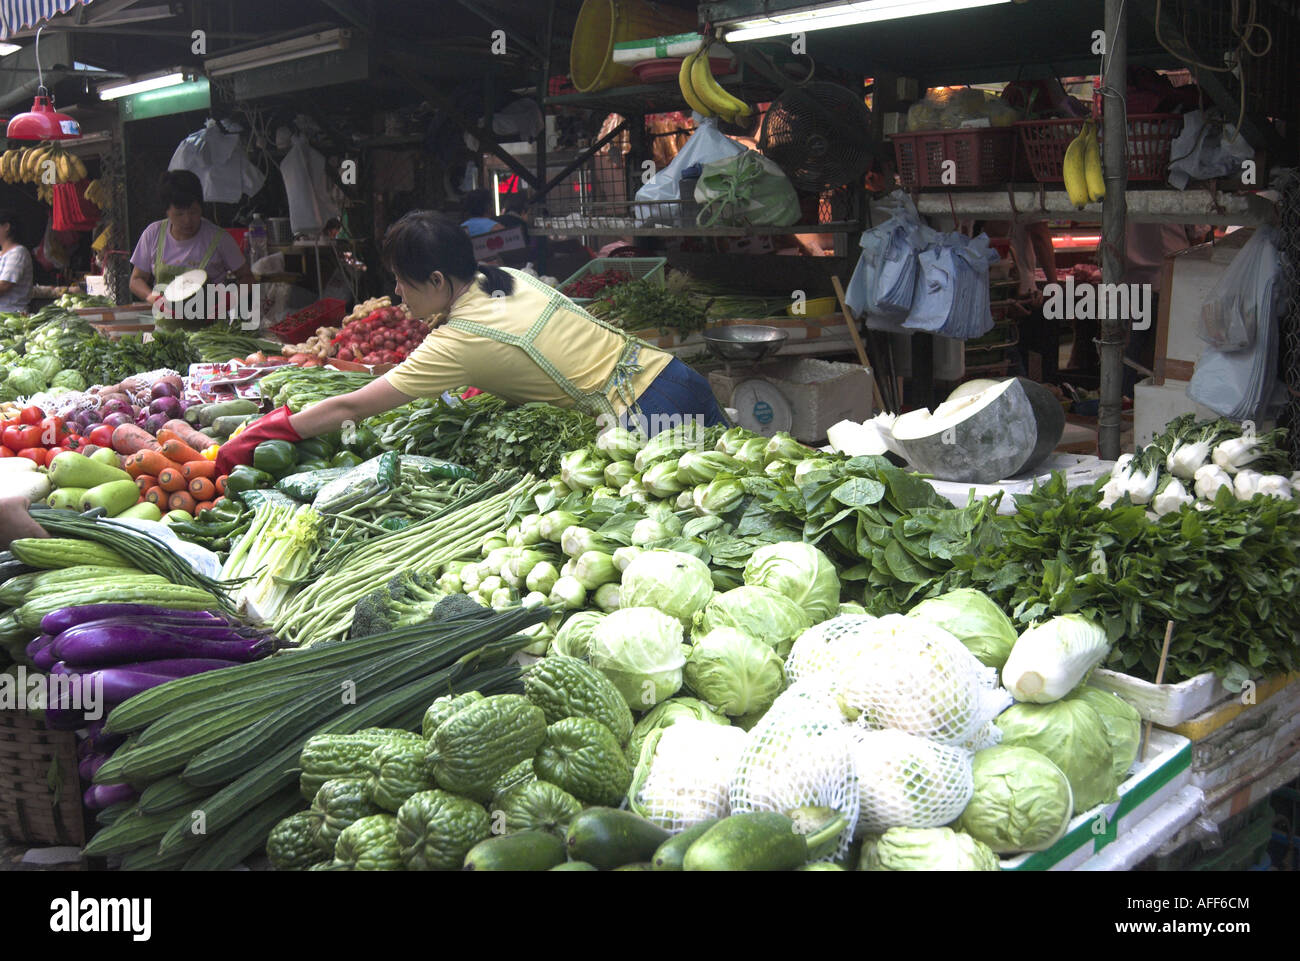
40, 795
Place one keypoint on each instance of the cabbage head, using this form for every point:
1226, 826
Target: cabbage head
1022, 801
799, 571
926, 849
852, 607
25, 381
677, 584
640, 650
972, 618
759, 612
1071, 735
1123, 727
668, 713
71, 379
733, 672
573, 639
46, 364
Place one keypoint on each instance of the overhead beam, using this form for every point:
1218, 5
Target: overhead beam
526, 45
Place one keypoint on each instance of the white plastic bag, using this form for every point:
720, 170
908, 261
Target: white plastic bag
1230, 315
706, 145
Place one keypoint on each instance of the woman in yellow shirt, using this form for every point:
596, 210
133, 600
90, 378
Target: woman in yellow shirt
506, 333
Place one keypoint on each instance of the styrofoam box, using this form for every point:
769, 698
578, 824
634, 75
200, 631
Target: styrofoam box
1079, 469
1164, 704
1166, 771
1242, 747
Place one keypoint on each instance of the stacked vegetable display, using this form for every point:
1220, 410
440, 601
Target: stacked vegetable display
385, 336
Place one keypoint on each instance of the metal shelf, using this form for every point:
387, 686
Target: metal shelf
629, 229
1196, 205
660, 97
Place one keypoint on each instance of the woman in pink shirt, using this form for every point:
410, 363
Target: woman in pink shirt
183, 241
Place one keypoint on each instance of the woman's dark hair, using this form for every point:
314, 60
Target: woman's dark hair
424, 241
180, 189
476, 203
8, 217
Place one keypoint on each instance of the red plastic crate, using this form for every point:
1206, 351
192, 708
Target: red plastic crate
984, 156
1150, 137
297, 327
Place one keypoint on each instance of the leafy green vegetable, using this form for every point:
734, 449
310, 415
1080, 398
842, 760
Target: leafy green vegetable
734, 672
1022, 801
926, 849
1072, 736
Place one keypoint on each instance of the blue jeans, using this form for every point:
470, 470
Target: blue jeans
678, 394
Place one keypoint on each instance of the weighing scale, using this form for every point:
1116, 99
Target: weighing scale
760, 406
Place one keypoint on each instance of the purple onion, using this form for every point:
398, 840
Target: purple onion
117, 419
166, 405
163, 389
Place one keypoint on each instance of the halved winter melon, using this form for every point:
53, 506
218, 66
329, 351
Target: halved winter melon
980, 439
1050, 416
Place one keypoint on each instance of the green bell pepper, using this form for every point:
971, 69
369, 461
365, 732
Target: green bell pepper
311, 464
314, 448
246, 478
361, 440
345, 458
275, 457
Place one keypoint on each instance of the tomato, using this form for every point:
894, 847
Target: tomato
101, 435
53, 431
54, 452
31, 415
38, 454
6, 452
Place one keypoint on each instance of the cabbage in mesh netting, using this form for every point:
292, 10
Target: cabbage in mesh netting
685, 772
907, 675
813, 652
909, 781
799, 755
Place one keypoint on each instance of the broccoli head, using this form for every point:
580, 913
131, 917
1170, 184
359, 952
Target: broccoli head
407, 599
457, 606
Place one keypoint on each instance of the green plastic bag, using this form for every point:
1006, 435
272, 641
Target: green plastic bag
746, 190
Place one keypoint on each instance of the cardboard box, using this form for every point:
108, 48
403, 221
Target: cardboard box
487, 246
820, 393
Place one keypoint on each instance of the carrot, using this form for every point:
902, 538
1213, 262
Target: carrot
199, 468
183, 431
156, 495
221, 486
129, 439
171, 480
181, 501
147, 462
145, 481
180, 451
203, 489
202, 506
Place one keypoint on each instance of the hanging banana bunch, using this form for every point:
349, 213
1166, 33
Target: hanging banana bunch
45, 165
701, 90
99, 194
1084, 182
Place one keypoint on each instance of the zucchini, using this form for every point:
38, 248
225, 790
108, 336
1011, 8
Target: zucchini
523, 851
668, 856
227, 408
762, 841
608, 837
227, 425
56, 552
169, 794
164, 594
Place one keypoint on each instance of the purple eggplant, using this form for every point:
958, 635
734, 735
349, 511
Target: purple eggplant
97, 742
59, 621
127, 680
101, 796
44, 659
117, 641
90, 764
42, 642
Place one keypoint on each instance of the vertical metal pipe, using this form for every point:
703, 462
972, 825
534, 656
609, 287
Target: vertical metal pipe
1113, 222
543, 90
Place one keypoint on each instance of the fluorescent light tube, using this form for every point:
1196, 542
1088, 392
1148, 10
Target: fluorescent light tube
281, 52
842, 15
114, 90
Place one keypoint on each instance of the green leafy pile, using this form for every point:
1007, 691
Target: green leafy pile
299, 387
1228, 578
104, 361
642, 305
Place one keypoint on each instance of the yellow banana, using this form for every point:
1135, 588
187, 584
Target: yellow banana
710, 91
78, 167
1076, 180
1092, 166
688, 90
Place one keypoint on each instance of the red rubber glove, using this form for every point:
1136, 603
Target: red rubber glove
239, 450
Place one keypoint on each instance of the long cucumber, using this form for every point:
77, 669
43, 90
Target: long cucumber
246, 835
281, 769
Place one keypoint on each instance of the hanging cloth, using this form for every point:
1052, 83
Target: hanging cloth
218, 159
310, 203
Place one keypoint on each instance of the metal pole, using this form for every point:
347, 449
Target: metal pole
1114, 217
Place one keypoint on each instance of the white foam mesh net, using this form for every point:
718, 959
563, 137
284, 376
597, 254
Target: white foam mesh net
909, 781
987, 736
813, 653
689, 775
903, 674
799, 755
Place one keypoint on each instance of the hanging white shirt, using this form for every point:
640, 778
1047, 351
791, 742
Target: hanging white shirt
219, 161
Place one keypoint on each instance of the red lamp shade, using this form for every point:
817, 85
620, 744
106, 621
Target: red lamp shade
43, 122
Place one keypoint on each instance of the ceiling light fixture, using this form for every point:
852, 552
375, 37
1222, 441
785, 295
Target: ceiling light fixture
325, 41
42, 122
827, 16
155, 81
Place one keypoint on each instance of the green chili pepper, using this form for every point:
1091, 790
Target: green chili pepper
245, 478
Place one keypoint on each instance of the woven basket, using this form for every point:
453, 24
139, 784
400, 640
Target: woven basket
40, 796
